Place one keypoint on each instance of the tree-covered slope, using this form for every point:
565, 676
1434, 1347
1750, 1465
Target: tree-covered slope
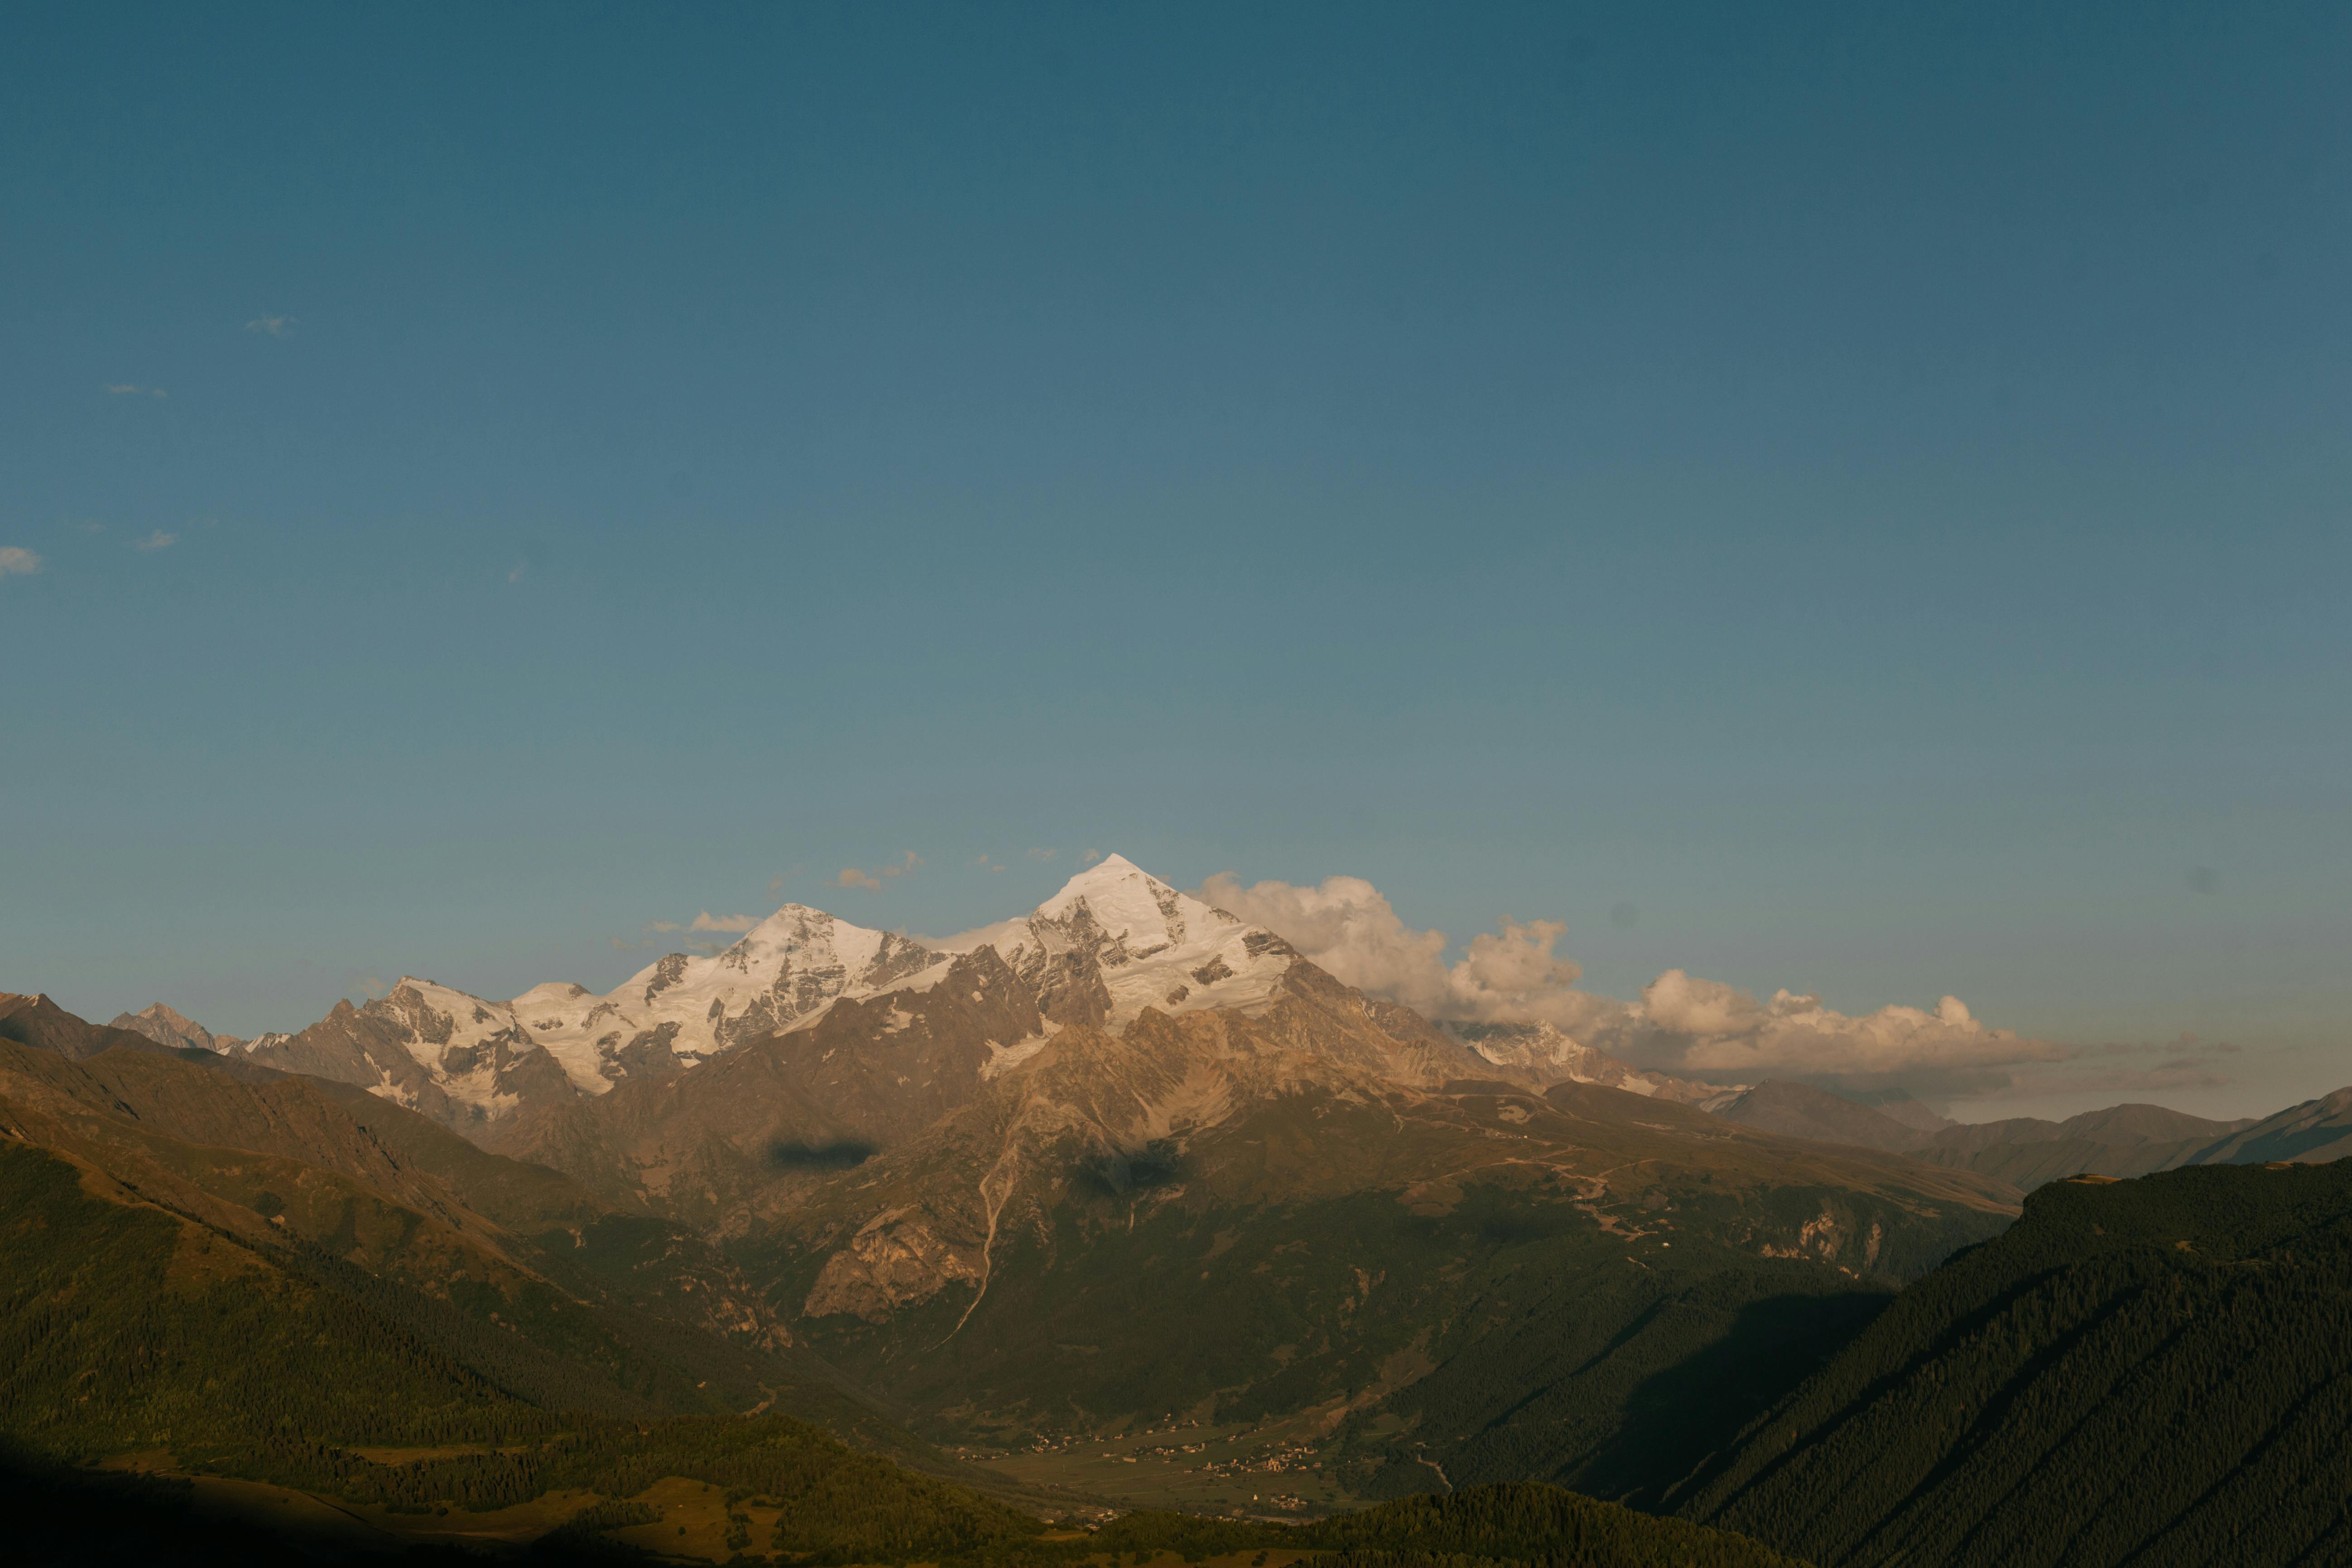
1466, 1282
124, 1326
1479, 1527
504, 1265
2155, 1372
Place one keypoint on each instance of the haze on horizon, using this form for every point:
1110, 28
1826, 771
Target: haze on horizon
1825, 499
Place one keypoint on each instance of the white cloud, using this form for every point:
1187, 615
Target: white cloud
159, 540
1716, 1029
1349, 928
737, 924
1682, 1023
1040, 854
271, 326
15, 561
906, 865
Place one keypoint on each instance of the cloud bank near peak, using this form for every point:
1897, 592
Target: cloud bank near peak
1682, 1023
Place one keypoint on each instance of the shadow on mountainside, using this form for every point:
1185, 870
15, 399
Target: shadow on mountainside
841, 1154
1682, 1422
52, 1513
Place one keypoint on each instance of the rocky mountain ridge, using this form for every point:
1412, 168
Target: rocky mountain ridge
1114, 944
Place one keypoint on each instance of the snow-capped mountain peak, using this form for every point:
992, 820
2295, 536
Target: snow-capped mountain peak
1117, 939
683, 1009
1112, 942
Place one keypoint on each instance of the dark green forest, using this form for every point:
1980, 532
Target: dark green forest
1525, 1523
2156, 1372
125, 1328
1530, 1343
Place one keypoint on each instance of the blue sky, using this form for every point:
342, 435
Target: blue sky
1860, 493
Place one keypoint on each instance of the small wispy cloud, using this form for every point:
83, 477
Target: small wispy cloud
663, 925
906, 865
1042, 854
737, 924
17, 562
1090, 857
516, 572
271, 326
159, 540
91, 527
986, 864
125, 389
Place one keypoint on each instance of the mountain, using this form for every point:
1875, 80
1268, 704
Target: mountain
2313, 1132
284, 1289
1117, 939
1113, 942
265, 1371
2120, 1141
1130, 1154
1800, 1110
2156, 1372
1544, 1056
167, 1027
512, 1269
38, 1022
1898, 1105
2025, 1152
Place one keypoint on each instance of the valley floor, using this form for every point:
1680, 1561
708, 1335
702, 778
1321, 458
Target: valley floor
1270, 1471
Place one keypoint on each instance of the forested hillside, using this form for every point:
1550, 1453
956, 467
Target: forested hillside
489, 1257
1478, 1527
1473, 1276
126, 1328
2156, 1372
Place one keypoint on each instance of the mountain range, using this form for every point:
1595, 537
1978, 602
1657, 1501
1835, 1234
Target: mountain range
1124, 1164
2027, 1151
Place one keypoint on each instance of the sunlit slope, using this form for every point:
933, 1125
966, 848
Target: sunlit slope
2155, 1372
